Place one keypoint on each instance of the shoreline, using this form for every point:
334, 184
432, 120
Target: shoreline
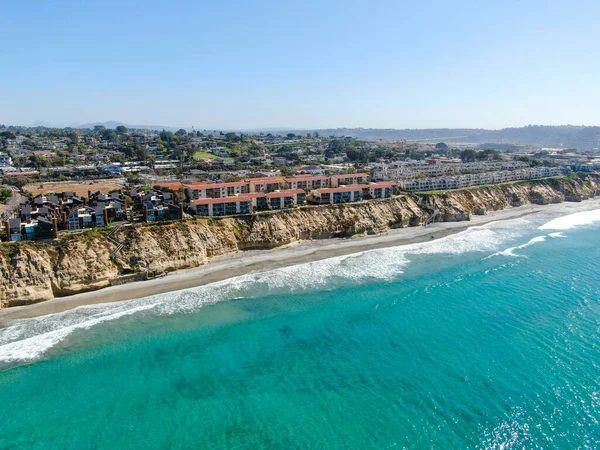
241, 263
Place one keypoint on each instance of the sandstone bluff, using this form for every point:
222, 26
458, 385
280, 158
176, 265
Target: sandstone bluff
33, 272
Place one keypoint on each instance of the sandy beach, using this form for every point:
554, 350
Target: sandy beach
242, 263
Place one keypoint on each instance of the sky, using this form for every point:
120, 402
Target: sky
311, 64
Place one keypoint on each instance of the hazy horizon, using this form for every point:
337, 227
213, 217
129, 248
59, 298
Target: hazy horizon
316, 65
261, 129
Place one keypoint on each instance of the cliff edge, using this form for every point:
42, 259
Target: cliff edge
31, 272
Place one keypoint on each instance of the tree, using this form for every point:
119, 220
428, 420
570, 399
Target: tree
108, 135
441, 146
8, 134
166, 136
231, 137
121, 130
180, 132
291, 135
335, 147
73, 137
468, 155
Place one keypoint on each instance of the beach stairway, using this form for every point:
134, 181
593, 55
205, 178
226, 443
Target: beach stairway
432, 217
134, 260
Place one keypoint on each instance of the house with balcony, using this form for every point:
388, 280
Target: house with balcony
84, 217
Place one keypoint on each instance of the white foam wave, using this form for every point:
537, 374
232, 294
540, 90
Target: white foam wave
511, 251
31, 348
558, 234
30, 339
573, 220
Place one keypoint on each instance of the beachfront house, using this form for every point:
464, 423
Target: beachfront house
30, 230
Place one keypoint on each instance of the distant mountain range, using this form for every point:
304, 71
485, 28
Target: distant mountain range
566, 136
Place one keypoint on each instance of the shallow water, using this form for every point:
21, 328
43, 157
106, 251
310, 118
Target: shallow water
484, 339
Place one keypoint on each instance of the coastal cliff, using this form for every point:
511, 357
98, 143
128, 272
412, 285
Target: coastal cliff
34, 271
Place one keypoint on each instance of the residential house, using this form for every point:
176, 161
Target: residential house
5, 160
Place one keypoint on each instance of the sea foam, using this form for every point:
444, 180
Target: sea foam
511, 251
573, 220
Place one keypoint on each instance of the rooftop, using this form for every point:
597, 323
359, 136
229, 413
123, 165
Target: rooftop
306, 178
216, 185
174, 186
266, 180
285, 193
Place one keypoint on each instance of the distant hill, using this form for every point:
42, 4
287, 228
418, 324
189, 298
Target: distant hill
565, 136
568, 136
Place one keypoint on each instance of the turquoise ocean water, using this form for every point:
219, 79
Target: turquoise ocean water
484, 339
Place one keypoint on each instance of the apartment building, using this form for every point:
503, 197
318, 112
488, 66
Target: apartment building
349, 178
384, 189
477, 179
265, 184
196, 191
214, 207
308, 182
403, 169
341, 194
285, 199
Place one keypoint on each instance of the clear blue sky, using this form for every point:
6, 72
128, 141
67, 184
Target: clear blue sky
313, 64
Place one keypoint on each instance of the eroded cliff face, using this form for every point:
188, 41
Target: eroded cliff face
461, 204
33, 272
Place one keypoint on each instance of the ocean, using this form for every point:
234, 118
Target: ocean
489, 338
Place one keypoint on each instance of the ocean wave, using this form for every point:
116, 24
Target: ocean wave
511, 251
30, 339
573, 220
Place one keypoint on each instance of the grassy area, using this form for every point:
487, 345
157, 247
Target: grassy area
5, 194
205, 155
